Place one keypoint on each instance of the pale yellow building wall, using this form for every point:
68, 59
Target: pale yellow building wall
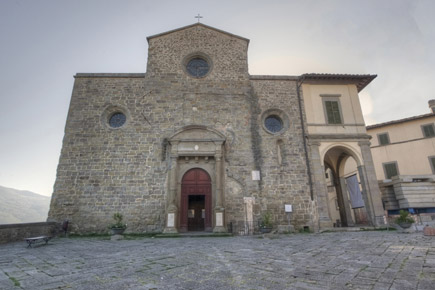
353, 121
330, 142
408, 147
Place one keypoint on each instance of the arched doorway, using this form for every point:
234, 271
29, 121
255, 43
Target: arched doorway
347, 203
195, 209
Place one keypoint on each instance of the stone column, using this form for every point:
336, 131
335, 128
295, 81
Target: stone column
320, 187
172, 211
371, 193
219, 209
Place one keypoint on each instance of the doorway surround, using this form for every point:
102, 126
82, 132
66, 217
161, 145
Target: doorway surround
195, 147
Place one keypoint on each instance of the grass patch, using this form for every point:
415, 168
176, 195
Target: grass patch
402, 265
380, 229
168, 236
14, 280
304, 231
138, 236
216, 235
91, 235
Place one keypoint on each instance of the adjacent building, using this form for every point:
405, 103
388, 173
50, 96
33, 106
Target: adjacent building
404, 158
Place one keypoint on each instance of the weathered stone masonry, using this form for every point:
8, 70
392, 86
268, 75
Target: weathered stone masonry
175, 123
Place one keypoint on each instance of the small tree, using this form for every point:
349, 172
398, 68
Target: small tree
118, 222
266, 220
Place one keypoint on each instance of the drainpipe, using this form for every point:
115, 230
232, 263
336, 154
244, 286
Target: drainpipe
304, 135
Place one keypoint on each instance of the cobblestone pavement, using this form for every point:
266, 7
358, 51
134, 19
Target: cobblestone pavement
352, 260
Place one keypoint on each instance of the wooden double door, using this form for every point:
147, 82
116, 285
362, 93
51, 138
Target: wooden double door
195, 210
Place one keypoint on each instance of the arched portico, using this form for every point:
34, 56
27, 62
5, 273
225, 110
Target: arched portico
345, 199
338, 168
202, 148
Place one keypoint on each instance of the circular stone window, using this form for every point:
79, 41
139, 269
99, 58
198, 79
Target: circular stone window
274, 121
198, 67
273, 124
117, 120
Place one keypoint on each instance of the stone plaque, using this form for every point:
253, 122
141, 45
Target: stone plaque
219, 219
288, 208
171, 220
255, 175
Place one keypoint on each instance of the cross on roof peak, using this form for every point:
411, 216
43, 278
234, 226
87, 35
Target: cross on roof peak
199, 17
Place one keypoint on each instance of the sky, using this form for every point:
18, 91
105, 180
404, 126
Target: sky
44, 43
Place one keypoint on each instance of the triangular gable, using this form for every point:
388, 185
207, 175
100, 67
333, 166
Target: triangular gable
193, 25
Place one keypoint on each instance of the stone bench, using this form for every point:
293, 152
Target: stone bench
32, 241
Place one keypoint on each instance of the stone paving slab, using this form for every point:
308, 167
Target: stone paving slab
343, 260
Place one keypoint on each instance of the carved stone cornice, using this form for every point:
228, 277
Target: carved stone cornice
337, 137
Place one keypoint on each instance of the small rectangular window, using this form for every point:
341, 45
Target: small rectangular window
428, 130
390, 169
333, 112
432, 163
383, 139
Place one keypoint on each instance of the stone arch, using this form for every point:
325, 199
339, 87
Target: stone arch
345, 148
196, 196
335, 157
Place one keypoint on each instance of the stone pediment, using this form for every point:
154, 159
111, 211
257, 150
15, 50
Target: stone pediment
197, 134
196, 141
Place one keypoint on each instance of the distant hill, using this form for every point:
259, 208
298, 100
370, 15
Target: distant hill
21, 206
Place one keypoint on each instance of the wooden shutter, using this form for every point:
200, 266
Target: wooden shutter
390, 170
432, 160
383, 139
333, 112
428, 131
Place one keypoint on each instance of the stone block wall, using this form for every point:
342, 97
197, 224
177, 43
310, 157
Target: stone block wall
409, 191
19, 232
103, 170
283, 164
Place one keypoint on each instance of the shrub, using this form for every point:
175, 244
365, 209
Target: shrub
118, 222
404, 217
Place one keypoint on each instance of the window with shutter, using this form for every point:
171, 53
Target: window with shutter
432, 163
428, 130
333, 114
390, 170
383, 139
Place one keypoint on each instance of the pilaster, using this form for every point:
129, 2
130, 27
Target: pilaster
219, 210
172, 211
320, 187
371, 192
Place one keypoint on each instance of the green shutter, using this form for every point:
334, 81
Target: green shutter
390, 170
432, 160
428, 130
333, 112
383, 139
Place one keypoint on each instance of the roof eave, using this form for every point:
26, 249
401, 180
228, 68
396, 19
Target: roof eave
409, 119
361, 81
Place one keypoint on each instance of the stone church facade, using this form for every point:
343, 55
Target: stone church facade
196, 143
